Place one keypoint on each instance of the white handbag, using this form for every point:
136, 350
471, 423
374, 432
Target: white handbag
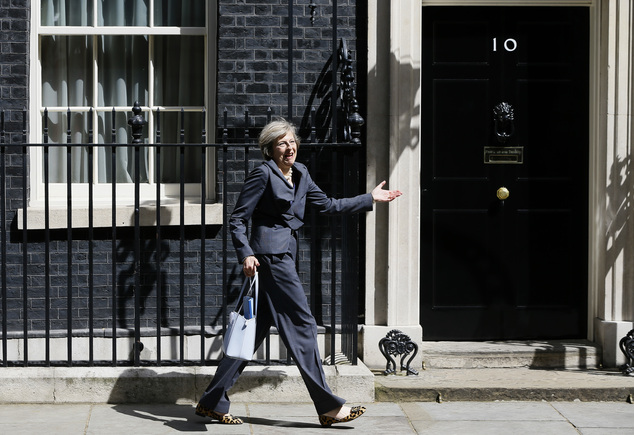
239, 339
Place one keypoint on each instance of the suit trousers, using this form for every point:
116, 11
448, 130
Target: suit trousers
282, 302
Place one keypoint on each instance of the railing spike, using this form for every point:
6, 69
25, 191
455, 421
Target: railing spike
246, 125
45, 129
90, 126
313, 128
113, 132
204, 132
225, 132
182, 125
158, 125
68, 131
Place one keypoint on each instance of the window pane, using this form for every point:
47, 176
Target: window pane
123, 13
66, 12
179, 70
57, 124
123, 70
66, 71
170, 156
185, 13
124, 156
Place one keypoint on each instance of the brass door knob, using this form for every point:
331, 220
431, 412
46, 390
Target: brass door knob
503, 193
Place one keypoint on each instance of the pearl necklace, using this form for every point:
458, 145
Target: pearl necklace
289, 176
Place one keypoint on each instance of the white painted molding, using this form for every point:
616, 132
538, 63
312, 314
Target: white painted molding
403, 254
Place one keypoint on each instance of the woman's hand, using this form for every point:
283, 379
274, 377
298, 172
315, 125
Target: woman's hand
250, 265
381, 195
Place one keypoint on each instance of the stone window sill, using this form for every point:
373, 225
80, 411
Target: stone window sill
102, 216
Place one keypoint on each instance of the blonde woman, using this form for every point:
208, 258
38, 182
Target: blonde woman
274, 197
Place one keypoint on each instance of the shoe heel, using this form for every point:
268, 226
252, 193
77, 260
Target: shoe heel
326, 421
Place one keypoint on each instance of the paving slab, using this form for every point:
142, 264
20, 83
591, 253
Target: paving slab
474, 418
487, 418
588, 416
141, 419
45, 419
495, 427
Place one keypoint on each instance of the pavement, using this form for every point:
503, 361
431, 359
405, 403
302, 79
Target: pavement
437, 401
500, 417
455, 394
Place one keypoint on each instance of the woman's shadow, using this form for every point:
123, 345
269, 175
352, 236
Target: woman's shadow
183, 419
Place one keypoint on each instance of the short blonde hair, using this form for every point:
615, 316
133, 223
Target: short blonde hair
273, 131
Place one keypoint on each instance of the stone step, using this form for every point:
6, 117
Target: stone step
569, 354
506, 384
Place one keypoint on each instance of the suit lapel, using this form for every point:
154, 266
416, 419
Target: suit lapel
285, 196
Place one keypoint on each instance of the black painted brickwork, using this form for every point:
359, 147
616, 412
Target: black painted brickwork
252, 74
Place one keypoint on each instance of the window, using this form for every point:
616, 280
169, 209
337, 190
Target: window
96, 58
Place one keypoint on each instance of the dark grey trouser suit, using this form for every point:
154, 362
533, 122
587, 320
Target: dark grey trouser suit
282, 302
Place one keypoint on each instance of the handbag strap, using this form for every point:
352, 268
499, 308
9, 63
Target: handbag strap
247, 287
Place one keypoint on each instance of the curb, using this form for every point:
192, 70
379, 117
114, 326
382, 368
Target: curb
172, 384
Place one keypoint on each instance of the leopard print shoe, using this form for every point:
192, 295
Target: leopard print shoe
222, 418
355, 412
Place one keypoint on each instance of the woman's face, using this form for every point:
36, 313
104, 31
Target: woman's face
285, 151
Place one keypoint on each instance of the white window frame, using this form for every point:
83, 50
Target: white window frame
170, 193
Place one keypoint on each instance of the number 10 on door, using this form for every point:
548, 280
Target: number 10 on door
509, 45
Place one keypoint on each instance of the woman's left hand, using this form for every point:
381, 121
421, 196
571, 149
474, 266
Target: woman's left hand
382, 195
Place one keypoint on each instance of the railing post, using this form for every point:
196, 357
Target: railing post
91, 260
113, 162
25, 246
69, 242
203, 235
159, 238
181, 172
137, 122
47, 242
3, 240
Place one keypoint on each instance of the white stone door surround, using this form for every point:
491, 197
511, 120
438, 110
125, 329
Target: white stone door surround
393, 153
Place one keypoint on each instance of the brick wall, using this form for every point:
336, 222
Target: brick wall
14, 48
14, 59
252, 74
253, 59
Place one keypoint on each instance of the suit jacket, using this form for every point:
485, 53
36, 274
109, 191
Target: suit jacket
276, 209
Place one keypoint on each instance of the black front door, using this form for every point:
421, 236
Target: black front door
504, 204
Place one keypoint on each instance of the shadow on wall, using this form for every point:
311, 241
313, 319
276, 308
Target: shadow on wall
150, 279
144, 385
619, 238
153, 254
382, 153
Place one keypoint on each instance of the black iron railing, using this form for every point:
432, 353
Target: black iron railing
33, 302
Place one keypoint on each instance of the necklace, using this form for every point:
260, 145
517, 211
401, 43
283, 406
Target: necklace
289, 176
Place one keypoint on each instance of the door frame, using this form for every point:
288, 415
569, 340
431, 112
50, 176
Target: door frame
392, 263
597, 155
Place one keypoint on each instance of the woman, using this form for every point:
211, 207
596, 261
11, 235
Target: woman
274, 197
